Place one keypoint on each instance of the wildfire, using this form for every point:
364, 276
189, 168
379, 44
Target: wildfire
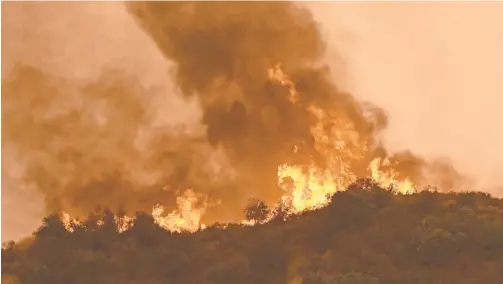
389, 178
309, 188
306, 187
312, 188
277, 74
186, 218
68, 221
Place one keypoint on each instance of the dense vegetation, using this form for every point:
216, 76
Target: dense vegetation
364, 236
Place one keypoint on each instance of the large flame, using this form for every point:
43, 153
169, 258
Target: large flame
388, 179
306, 187
186, 218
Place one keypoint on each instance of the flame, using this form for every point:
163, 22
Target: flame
306, 187
389, 178
68, 221
277, 74
123, 223
186, 218
309, 187
312, 188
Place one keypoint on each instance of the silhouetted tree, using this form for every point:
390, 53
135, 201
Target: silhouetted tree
52, 227
257, 211
383, 238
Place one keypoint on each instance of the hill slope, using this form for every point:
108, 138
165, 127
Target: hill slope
363, 236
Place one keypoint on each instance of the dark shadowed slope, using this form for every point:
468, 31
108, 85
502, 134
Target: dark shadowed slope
363, 236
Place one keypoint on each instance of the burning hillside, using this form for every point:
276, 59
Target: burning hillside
274, 126
305, 187
365, 235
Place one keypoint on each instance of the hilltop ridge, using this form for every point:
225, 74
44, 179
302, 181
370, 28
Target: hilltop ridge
363, 236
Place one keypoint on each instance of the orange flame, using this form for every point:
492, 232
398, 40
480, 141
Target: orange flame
186, 218
388, 179
68, 221
309, 188
305, 187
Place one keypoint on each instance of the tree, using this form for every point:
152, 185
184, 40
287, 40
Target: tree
52, 227
257, 211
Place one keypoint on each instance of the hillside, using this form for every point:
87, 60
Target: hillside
363, 236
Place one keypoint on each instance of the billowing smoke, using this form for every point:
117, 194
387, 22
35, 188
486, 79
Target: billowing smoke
95, 144
222, 53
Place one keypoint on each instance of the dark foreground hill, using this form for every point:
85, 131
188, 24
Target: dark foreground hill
363, 236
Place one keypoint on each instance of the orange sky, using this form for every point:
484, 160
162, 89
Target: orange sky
433, 66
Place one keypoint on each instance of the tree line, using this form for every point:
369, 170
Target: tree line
366, 235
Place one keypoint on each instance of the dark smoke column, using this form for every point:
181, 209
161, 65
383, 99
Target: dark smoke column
222, 51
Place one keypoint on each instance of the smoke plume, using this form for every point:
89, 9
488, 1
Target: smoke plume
95, 144
222, 51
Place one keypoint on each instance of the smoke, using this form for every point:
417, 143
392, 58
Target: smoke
222, 51
96, 144
92, 145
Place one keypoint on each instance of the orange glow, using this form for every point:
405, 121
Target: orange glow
305, 187
186, 218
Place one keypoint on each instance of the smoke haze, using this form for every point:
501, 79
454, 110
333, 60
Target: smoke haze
115, 148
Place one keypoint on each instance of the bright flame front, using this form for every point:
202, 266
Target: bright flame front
305, 187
